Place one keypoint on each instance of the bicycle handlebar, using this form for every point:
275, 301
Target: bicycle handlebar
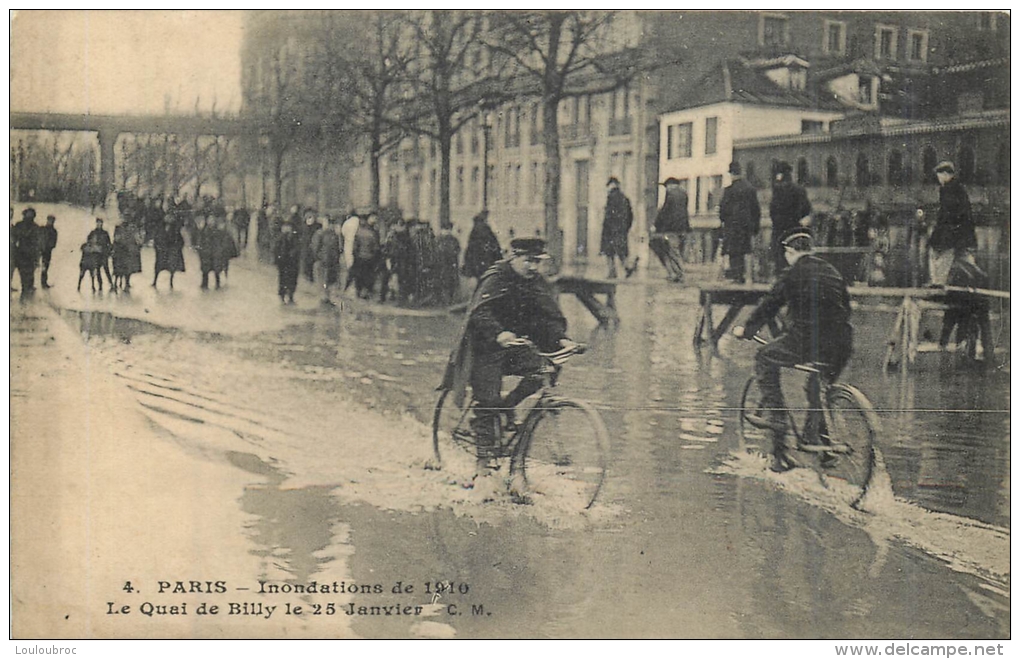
758, 339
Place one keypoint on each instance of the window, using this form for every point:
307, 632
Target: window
865, 87
460, 142
1002, 164
802, 171
967, 164
517, 185
863, 171
885, 42
715, 192
535, 190
711, 130
620, 103
811, 126
394, 196
474, 137
917, 42
929, 159
474, 186
772, 30
895, 173
986, 21
460, 186
433, 188
835, 38
679, 144
832, 172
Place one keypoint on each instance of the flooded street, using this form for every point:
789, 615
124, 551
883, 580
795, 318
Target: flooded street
323, 419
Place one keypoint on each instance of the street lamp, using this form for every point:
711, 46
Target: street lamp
486, 129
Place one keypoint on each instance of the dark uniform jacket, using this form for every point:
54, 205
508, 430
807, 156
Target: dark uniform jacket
672, 217
504, 302
818, 305
740, 215
954, 228
789, 204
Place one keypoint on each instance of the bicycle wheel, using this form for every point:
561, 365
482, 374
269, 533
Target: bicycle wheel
753, 437
853, 425
563, 453
449, 425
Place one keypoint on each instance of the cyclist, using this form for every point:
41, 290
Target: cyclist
513, 316
818, 330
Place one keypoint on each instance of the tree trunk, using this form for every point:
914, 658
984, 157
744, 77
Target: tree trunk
375, 195
551, 197
277, 175
445, 139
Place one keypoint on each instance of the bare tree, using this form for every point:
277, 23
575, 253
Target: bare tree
368, 53
447, 77
560, 54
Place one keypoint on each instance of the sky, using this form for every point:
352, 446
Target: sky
125, 62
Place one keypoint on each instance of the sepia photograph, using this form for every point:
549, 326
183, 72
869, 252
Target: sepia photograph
498, 324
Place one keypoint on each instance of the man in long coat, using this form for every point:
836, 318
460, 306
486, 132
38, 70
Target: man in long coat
25, 250
672, 224
740, 215
327, 252
169, 245
615, 226
513, 301
287, 254
482, 247
953, 233
788, 207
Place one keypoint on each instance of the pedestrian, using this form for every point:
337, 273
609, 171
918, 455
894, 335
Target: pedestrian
968, 312
482, 247
287, 255
310, 227
397, 252
366, 257
740, 215
348, 230
788, 207
25, 251
953, 234
241, 220
127, 253
262, 236
672, 225
47, 243
327, 252
169, 245
447, 265
423, 256
95, 257
216, 248
615, 226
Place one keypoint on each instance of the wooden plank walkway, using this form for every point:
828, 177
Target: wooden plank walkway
905, 333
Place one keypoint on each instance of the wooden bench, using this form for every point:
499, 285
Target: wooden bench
586, 289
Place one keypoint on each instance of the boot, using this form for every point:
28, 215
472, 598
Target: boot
782, 454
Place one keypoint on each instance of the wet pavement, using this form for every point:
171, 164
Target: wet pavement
328, 412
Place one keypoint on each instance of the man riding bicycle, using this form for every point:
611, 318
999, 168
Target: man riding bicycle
818, 331
514, 315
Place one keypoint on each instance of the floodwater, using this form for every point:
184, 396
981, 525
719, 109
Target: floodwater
690, 538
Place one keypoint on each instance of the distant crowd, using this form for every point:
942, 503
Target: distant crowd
384, 257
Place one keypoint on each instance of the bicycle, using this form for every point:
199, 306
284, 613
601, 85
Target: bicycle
562, 444
845, 454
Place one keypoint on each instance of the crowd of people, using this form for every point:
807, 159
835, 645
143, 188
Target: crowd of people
402, 259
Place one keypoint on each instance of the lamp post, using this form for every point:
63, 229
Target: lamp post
486, 129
